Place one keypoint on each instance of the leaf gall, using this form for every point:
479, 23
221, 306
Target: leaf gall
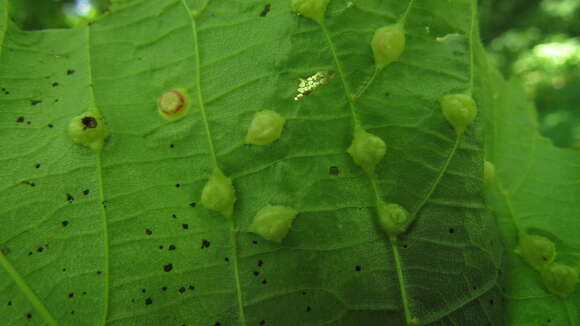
265, 128
273, 222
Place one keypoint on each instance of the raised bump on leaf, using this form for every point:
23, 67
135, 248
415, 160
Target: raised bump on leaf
488, 172
313, 9
174, 104
393, 218
560, 279
459, 109
388, 44
367, 150
536, 250
266, 127
219, 194
273, 222
88, 129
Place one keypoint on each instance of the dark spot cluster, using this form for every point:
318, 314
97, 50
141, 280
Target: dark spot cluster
20, 119
30, 183
205, 244
5, 91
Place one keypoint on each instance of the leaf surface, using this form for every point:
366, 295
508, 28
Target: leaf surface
118, 237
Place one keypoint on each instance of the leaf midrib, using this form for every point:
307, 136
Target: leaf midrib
233, 230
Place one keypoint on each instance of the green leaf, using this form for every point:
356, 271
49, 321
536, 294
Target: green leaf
535, 191
116, 236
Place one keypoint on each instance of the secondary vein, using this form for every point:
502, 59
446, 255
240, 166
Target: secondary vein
30, 295
372, 177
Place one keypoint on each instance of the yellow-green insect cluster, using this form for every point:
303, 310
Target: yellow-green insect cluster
273, 222
88, 129
311, 83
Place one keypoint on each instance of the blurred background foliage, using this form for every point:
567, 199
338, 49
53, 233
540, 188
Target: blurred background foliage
536, 41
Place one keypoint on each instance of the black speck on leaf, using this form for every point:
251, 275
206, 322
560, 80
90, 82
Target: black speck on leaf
64, 223
168, 267
70, 198
148, 301
89, 122
333, 170
20, 119
35, 102
266, 10
70, 72
205, 244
